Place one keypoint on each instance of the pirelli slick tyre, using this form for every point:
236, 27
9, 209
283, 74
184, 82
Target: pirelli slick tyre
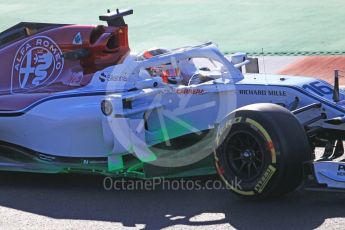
261, 150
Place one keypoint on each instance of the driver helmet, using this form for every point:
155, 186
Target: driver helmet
169, 72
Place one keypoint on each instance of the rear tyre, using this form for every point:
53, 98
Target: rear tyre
261, 151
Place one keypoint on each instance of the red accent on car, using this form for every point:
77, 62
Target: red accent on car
270, 145
219, 169
34, 67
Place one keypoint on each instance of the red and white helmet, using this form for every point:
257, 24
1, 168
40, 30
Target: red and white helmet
169, 72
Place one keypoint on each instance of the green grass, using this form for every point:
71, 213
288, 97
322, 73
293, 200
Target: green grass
241, 25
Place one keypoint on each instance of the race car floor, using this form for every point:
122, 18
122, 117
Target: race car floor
33, 201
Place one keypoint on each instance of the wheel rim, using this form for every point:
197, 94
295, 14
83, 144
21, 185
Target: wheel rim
245, 155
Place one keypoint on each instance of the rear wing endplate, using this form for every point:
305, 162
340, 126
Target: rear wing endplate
115, 18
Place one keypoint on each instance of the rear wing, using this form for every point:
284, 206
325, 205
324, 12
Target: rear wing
23, 30
116, 18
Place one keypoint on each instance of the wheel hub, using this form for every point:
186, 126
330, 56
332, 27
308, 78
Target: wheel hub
245, 155
248, 156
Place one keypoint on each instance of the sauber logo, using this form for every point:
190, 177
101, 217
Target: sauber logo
38, 63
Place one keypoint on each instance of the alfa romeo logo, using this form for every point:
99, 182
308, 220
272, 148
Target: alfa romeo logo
37, 63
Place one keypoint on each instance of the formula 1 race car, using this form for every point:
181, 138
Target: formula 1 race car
75, 99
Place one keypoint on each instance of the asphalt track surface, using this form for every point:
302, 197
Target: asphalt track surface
38, 201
